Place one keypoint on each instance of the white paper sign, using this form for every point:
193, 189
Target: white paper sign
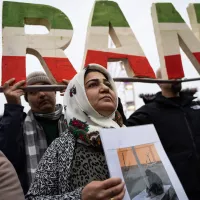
136, 155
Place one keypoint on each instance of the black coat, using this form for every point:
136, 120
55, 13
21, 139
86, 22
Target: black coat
121, 111
178, 127
12, 141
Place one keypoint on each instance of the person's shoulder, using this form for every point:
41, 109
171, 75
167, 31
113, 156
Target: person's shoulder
14, 106
14, 110
67, 135
146, 107
10, 186
2, 157
65, 140
5, 163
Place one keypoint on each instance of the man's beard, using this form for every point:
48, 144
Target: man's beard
176, 87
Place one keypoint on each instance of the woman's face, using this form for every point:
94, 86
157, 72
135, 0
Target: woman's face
100, 93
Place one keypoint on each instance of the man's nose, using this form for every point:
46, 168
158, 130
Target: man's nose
41, 93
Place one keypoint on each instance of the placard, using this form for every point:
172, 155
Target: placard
136, 155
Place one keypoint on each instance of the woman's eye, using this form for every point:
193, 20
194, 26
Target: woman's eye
93, 85
108, 85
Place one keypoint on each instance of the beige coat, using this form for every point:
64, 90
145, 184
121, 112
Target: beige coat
10, 187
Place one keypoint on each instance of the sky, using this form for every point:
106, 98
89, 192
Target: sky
138, 15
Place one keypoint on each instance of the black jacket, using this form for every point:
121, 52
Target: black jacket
178, 126
121, 111
12, 141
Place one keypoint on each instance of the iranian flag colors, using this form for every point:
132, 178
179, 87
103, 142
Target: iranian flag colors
47, 48
171, 34
107, 18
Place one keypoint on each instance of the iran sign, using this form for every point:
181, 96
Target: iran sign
106, 19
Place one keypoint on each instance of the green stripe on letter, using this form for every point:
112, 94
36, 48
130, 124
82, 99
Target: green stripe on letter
167, 13
16, 14
197, 11
108, 11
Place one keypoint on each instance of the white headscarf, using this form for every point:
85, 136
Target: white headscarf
78, 110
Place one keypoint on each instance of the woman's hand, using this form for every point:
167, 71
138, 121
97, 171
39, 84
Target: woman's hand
104, 190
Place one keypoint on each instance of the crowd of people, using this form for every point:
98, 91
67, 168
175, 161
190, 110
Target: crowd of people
55, 152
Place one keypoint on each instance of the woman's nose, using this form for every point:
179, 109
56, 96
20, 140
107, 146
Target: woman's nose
104, 88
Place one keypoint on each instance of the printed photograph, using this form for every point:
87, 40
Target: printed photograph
144, 174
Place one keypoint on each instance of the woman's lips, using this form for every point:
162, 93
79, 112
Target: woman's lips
107, 97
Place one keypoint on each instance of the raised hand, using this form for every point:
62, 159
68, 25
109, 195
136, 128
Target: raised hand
66, 82
13, 92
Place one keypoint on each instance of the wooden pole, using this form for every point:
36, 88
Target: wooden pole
149, 80
34, 88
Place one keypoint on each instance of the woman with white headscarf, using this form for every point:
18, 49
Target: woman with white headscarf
74, 166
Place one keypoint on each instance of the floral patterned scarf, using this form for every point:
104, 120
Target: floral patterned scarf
83, 121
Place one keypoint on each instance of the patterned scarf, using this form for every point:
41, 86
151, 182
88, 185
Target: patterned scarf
81, 131
83, 121
35, 138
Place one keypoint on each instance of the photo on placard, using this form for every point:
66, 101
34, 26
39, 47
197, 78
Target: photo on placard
144, 174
